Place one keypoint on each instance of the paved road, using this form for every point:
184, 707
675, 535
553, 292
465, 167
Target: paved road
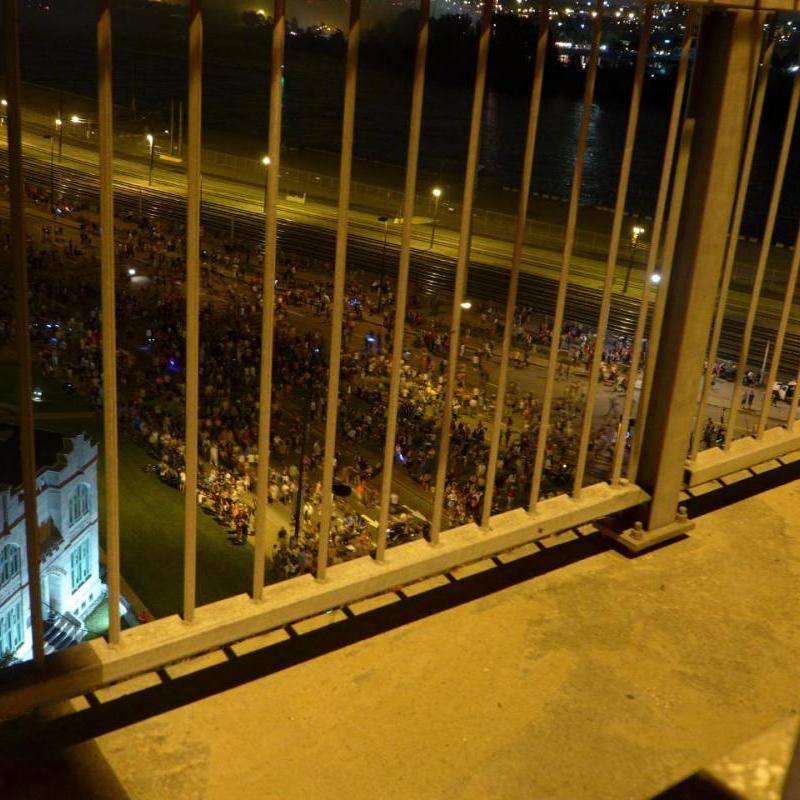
540, 256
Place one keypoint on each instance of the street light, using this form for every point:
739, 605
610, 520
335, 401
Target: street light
52, 177
655, 278
266, 161
76, 120
466, 305
151, 143
60, 128
437, 193
385, 221
636, 232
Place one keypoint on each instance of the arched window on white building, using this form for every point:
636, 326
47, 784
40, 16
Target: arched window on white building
9, 563
12, 633
79, 503
81, 565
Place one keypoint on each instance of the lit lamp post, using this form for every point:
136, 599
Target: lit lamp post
385, 221
59, 123
266, 161
52, 138
636, 232
151, 144
437, 193
4, 104
76, 120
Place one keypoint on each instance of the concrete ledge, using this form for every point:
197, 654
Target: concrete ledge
90, 665
742, 454
636, 540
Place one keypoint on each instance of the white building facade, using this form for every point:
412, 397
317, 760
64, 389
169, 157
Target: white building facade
69, 541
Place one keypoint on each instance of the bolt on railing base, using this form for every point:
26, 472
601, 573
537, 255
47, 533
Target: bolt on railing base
637, 539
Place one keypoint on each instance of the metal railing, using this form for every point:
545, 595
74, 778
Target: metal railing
714, 122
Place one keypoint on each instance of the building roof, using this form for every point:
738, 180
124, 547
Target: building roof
49, 445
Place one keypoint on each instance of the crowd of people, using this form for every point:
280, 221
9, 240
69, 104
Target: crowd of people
66, 328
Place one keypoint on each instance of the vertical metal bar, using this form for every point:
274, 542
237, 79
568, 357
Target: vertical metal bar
462, 259
22, 322
105, 129
415, 127
566, 257
516, 256
340, 266
788, 298
268, 295
763, 257
733, 238
660, 305
193, 181
792, 418
611, 264
655, 241
727, 59
180, 128
786, 310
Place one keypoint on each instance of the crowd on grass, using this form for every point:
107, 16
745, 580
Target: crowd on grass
151, 313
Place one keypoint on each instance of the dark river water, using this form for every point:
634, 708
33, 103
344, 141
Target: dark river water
235, 100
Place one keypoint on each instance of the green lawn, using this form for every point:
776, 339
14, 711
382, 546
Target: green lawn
151, 515
151, 529
54, 396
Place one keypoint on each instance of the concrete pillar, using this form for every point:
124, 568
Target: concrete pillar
727, 58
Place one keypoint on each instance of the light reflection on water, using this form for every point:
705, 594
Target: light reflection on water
236, 96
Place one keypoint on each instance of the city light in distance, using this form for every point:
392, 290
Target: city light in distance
655, 278
466, 305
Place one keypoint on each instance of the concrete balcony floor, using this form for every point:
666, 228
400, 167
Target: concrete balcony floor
605, 679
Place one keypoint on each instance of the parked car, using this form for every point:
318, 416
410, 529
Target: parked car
785, 391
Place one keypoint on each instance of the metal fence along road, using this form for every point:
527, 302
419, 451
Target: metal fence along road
675, 325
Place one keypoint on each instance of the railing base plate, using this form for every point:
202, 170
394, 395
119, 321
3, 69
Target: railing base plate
637, 539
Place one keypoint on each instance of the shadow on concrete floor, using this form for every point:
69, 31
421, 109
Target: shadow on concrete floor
82, 772
697, 787
35, 750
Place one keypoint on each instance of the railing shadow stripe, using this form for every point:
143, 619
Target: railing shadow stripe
17, 736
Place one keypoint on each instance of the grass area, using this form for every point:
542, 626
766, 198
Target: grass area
54, 396
151, 515
151, 529
97, 621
